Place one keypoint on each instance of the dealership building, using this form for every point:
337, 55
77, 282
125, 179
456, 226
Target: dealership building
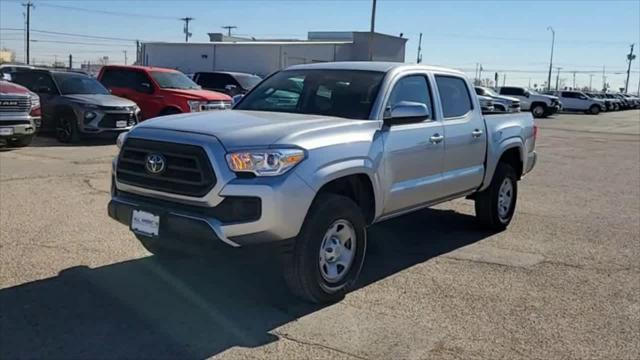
262, 57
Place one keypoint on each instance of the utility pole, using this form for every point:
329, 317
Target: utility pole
138, 60
529, 83
504, 79
70, 61
125, 56
372, 29
187, 34
476, 74
574, 80
604, 80
630, 58
480, 73
229, 27
558, 77
553, 41
590, 82
28, 5
419, 59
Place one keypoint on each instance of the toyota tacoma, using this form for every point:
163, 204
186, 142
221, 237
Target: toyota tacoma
311, 157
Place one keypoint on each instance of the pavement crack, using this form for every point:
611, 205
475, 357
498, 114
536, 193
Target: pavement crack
95, 190
309, 343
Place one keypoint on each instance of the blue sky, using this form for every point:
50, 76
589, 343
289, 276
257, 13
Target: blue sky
507, 36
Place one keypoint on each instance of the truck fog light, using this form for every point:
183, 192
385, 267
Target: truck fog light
89, 115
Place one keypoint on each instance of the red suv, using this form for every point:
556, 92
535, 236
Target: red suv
160, 91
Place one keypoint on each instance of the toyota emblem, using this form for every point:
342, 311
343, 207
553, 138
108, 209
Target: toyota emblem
155, 164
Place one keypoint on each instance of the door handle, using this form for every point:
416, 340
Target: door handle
476, 133
436, 138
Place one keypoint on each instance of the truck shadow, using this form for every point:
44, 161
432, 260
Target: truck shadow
194, 307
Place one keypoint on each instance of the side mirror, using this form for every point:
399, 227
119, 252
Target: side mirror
145, 88
236, 99
407, 112
527, 94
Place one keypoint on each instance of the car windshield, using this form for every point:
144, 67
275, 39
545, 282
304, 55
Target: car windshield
173, 80
342, 93
489, 92
71, 84
248, 81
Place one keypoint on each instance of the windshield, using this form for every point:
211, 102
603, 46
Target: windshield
71, 84
248, 81
489, 92
342, 93
173, 80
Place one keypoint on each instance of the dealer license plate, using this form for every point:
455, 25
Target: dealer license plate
145, 223
121, 124
6, 131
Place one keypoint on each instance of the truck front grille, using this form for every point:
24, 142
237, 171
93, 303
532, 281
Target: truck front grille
20, 104
187, 170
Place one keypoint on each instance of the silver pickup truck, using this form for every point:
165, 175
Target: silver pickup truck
313, 155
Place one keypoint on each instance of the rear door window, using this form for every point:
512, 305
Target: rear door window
454, 96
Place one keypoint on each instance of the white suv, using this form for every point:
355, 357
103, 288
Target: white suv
540, 105
579, 101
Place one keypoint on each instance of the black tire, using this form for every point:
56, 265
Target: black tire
539, 111
488, 200
594, 110
21, 142
67, 129
154, 247
302, 270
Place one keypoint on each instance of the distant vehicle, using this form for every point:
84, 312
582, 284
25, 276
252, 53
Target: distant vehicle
579, 101
540, 105
486, 104
160, 91
607, 102
500, 103
76, 105
311, 157
634, 100
11, 68
617, 103
230, 83
19, 114
625, 102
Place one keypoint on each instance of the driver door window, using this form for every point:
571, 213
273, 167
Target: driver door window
413, 88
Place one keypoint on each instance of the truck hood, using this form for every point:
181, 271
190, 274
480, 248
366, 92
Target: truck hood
13, 89
100, 100
199, 94
245, 129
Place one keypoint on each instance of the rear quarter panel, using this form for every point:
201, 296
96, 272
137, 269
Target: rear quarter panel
504, 132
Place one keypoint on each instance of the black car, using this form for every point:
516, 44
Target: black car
230, 83
74, 104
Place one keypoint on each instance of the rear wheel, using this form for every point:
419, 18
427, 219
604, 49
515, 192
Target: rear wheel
496, 204
326, 258
594, 109
538, 110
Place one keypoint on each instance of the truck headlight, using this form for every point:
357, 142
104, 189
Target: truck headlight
196, 105
121, 138
271, 162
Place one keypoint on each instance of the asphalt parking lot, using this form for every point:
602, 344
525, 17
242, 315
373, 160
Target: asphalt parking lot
562, 282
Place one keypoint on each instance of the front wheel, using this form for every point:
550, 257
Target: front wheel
67, 130
326, 258
22, 142
594, 109
496, 204
538, 111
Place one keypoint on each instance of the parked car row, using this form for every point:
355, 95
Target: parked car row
76, 105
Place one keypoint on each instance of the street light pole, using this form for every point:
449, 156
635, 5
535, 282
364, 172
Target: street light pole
553, 42
558, 77
630, 58
373, 28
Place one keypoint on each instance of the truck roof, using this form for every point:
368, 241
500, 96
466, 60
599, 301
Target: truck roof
369, 66
139, 67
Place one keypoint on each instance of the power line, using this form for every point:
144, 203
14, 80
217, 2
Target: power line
70, 34
105, 12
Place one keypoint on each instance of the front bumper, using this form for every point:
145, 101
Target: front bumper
16, 126
106, 121
284, 199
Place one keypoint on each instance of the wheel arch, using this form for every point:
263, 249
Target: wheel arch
510, 150
358, 185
